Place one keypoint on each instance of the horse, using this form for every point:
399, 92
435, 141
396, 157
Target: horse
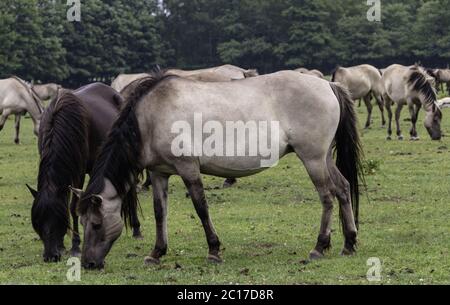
411, 86
363, 82
17, 97
141, 138
443, 77
47, 92
444, 103
313, 72
73, 128
223, 73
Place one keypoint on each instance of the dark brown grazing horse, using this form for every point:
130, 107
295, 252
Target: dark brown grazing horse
71, 133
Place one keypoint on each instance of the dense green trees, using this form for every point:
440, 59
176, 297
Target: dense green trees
37, 42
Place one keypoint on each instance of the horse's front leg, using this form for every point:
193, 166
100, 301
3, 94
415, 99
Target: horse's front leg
398, 113
192, 179
75, 251
5, 114
414, 112
160, 189
17, 121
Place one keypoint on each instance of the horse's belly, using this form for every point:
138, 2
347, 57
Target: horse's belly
231, 167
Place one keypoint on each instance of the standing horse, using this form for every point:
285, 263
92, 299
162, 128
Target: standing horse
363, 81
72, 131
142, 138
17, 97
411, 86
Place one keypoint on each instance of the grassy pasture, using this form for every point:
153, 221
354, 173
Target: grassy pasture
267, 224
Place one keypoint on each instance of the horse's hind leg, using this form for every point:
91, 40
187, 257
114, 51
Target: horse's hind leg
320, 176
193, 181
148, 180
135, 224
368, 102
160, 190
17, 121
345, 205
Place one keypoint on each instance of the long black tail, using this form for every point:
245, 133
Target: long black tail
349, 153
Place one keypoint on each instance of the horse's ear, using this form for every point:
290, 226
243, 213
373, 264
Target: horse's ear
33, 192
76, 192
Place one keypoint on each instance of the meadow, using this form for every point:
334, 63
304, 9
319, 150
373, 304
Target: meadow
267, 223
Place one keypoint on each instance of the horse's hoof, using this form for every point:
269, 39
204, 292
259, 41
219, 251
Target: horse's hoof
214, 259
17, 141
138, 236
389, 138
346, 252
315, 255
414, 139
400, 138
151, 261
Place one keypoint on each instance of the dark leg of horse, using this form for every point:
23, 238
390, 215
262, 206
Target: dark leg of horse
75, 251
346, 211
388, 105
135, 224
17, 121
398, 113
414, 111
368, 102
160, 189
148, 181
229, 182
380, 103
320, 176
193, 181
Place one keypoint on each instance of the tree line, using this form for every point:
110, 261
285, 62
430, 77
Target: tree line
38, 43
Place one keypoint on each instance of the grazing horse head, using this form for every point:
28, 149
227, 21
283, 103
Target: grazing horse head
49, 217
62, 148
422, 84
111, 194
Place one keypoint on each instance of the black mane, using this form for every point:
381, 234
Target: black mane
63, 149
119, 157
419, 83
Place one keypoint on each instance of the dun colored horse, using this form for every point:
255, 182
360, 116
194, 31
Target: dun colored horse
143, 137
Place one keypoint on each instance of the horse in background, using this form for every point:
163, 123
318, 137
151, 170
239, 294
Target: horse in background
17, 97
411, 86
363, 82
313, 72
72, 130
47, 92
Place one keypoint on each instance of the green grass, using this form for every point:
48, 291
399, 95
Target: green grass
267, 224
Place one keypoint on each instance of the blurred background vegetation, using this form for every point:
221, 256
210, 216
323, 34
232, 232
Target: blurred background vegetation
114, 36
